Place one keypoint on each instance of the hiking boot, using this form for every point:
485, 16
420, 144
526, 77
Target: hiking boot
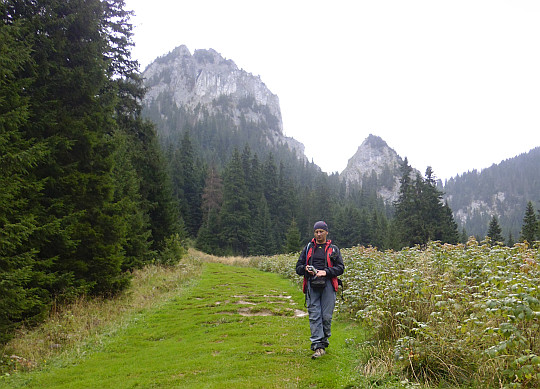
318, 353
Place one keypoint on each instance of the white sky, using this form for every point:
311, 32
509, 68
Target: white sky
452, 84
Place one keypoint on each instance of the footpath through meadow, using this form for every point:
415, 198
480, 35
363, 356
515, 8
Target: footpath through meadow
234, 327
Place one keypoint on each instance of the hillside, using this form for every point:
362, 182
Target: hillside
502, 190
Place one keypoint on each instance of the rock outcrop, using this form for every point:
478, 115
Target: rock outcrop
205, 83
376, 162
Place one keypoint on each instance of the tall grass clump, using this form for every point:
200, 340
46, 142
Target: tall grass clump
452, 313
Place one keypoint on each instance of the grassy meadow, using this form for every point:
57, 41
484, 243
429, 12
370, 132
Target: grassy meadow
462, 316
226, 326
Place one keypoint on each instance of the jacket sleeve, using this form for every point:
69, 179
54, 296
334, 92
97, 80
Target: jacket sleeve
301, 263
337, 261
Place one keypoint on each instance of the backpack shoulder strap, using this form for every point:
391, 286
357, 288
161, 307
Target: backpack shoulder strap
308, 253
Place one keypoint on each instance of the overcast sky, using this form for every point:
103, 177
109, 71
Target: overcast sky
454, 85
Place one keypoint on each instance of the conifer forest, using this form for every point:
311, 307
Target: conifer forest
89, 192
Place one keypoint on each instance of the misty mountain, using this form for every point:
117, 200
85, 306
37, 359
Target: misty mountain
221, 105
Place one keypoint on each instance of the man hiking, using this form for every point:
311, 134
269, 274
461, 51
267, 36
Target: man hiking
320, 263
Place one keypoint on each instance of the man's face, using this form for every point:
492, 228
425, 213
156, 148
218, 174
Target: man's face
320, 235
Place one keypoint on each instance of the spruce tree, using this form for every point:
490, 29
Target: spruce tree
286, 199
135, 224
270, 186
254, 183
494, 231
209, 235
449, 228
73, 105
406, 215
191, 190
212, 196
262, 241
234, 215
83, 99
293, 243
23, 291
420, 214
529, 228
156, 196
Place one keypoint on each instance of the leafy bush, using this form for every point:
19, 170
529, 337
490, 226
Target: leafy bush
456, 313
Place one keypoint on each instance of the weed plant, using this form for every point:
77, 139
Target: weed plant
456, 314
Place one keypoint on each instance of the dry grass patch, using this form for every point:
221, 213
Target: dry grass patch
233, 261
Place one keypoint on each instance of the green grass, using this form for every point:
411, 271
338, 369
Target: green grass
233, 327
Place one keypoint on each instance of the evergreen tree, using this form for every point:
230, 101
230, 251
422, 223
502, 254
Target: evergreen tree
191, 190
420, 214
254, 183
494, 231
261, 241
79, 163
293, 243
165, 217
349, 226
234, 215
270, 186
135, 224
322, 205
212, 196
511, 241
209, 235
156, 197
286, 199
378, 227
449, 228
23, 293
529, 229
405, 216
73, 105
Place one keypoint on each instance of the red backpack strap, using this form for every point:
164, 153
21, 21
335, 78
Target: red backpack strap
309, 251
308, 255
329, 252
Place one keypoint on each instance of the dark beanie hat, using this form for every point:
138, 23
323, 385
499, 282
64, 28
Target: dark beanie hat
320, 225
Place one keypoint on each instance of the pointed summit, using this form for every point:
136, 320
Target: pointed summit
375, 160
373, 154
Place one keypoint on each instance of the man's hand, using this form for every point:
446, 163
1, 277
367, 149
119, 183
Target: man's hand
321, 273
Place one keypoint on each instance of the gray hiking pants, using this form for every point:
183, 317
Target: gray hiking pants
320, 304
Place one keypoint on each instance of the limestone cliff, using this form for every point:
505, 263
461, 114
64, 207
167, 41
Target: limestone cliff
205, 84
376, 162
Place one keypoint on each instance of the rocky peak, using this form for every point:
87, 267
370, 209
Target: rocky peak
374, 156
206, 79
